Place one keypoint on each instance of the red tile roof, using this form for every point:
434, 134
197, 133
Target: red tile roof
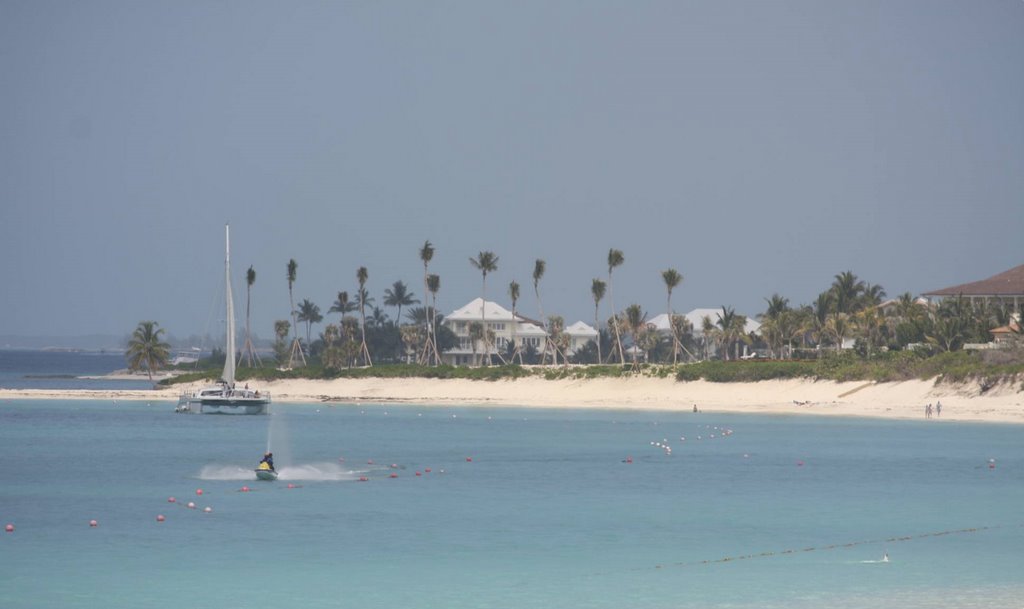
1009, 283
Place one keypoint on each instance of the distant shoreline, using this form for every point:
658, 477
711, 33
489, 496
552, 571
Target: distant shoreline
904, 400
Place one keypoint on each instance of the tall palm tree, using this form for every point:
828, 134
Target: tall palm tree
485, 262
293, 268
248, 349
145, 348
398, 295
513, 294
539, 267
362, 275
309, 313
615, 259
477, 333
430, 346
672, 278
597, 290
433, 286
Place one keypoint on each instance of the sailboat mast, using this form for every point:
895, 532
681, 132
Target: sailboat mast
229, 348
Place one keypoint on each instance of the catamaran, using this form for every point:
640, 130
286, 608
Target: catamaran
225, 397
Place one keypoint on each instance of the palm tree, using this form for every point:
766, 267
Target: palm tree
398, 295
426, 255
771, 323
433, 286
310, 314
362, 275
293, 268
636, 319
513, 294
485, 262
342, 305
672, 278
847, 289
615, 258
709, 334
248, 349
733, 329
146, 349
539, 267
597, 289
476, 333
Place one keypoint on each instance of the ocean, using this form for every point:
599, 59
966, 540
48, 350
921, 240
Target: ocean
26, 369
481, 507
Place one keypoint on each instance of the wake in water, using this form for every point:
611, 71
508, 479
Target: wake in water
313, 472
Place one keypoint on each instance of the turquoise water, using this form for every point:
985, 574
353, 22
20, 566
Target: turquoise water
26, 369
546, 514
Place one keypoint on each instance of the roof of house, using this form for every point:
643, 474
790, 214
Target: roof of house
580, 329
1007, 283
474, 311
696, 317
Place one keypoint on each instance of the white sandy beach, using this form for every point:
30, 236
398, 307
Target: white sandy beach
904, 400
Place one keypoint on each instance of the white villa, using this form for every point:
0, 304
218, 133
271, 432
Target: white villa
508, 329
696, 319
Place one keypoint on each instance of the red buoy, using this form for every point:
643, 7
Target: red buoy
93, 523
469, 459
363, 479
9, 528
171, 500
394, 475
245, 489
199, 491
419, 474
160, 518
427, 470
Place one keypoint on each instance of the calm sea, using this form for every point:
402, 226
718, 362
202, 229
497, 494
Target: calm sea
521, 508
22, 369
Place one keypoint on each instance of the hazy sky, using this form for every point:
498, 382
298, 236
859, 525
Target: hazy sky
757, 147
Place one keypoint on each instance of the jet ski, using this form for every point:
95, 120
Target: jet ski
263, 472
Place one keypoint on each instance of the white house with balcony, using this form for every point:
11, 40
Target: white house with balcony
507, 330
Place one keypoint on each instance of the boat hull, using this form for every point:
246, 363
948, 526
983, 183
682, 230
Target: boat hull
266, 474
238, 402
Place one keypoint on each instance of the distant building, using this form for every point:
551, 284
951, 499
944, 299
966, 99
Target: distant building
579, 335
508, 330
1005, 288
696, 319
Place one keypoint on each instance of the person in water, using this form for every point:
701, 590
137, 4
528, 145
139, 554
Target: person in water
268, 458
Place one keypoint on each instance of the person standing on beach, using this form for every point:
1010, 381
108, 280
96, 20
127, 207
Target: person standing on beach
938, 409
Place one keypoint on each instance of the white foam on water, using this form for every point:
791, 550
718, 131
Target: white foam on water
323, 471
226, 472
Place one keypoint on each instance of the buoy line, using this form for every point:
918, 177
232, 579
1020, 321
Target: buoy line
897, 539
